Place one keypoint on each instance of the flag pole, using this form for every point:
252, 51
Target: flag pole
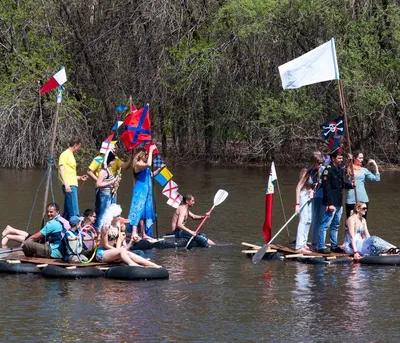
343, 107
51, 159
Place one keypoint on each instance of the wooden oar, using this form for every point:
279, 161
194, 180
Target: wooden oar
219, 198
258, 256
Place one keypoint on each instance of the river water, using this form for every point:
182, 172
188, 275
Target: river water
213, 295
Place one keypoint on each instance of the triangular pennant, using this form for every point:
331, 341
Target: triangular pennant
121, 108
99, 160
117, 125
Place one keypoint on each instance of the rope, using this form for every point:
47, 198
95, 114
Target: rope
36, 195
283, 210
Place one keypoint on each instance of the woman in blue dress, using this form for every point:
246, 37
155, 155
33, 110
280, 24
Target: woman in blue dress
142, 201
357, 239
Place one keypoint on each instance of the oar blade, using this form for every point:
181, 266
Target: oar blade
220, 197
258, 256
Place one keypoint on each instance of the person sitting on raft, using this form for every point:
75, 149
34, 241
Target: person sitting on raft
74, 242
179, 219
357, 238
51, 234
112, 242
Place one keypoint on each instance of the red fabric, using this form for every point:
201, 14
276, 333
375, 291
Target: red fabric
268, 217
48, 86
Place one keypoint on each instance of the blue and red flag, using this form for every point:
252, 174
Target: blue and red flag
137, 127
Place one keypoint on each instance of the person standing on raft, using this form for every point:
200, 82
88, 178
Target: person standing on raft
69, 178
179, 219
142, 197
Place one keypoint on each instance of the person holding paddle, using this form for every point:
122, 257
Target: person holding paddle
179, 219
307, 185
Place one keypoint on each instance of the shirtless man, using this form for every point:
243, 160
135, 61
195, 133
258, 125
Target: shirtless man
179, 218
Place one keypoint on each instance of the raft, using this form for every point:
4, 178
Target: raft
281, 252
53, 271
170, 242
388, 260
136, 273
324, 260
16, 267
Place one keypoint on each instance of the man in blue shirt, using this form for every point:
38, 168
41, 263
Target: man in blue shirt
51, 235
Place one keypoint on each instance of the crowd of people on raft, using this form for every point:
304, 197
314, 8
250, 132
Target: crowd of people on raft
319, 195
102, 232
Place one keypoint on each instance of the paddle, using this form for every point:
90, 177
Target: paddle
258, 256
8, 251
219, 198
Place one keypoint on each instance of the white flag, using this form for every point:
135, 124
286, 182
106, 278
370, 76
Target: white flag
271, 179
318, 65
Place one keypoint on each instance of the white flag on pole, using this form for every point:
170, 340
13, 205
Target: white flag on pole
271, 179
318, 65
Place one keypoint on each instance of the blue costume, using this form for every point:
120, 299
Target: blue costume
142, 202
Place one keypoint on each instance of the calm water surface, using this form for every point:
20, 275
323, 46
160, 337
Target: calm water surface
213, 295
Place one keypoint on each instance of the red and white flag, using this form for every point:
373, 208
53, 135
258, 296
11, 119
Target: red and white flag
57, 80
175, 201
171, 189
268, 204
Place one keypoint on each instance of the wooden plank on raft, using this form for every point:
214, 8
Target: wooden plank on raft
254, 251
294, 256
256, 247
57, 262
13, 261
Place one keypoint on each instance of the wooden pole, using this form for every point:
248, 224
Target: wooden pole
343, 107
51, 156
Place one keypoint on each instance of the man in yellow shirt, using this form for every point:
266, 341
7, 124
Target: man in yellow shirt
69, 178
93, 171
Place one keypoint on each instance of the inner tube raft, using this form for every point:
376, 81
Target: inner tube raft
323, 260
133, 273
172, 243
19, 268
52, 271
389, 260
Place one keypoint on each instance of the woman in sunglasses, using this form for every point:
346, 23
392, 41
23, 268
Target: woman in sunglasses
357, 239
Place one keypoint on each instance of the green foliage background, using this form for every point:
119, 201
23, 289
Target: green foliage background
209, 70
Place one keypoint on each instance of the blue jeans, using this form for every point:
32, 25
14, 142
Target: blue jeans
317, 213
104, 198
200, 238
304, 221
71, 206
330, 220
